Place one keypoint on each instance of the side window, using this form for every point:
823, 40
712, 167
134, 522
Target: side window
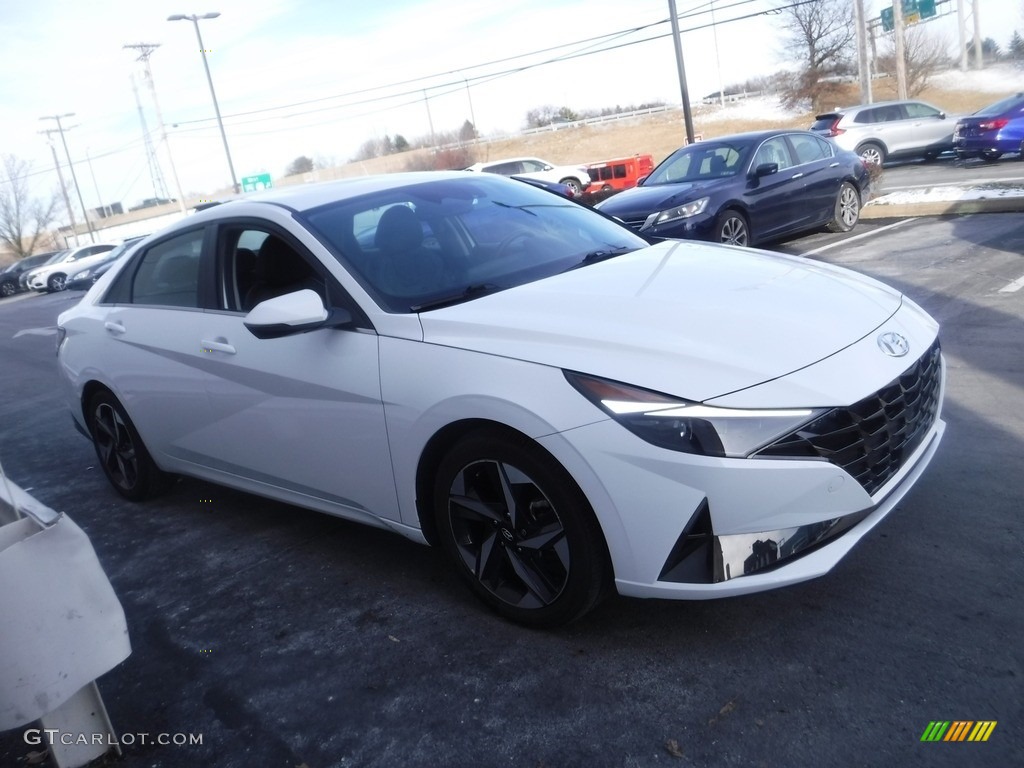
773, 151
809, 148
914, 109
532, 166
257, 264
168, 273
620, 171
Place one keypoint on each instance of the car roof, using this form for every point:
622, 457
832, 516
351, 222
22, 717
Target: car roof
303, 197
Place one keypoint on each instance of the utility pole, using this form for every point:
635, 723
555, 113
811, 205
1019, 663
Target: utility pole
962, 27
862, 53
978, 58
687, 115
63, 186
901, 60
74, 178
145, 50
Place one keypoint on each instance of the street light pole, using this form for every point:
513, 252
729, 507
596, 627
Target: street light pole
194, 18
74, 178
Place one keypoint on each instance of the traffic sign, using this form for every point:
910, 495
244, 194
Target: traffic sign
257, 182
913, 12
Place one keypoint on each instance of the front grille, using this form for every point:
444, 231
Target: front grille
634, 224
872, 438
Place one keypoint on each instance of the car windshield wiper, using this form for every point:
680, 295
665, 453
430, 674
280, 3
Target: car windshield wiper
469, 292
600, 255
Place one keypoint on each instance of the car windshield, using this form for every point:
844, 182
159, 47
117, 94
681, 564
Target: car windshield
427, 245
55, 258
702, 161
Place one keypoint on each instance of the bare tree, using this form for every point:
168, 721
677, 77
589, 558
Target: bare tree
924, 54
24, 219
821, 36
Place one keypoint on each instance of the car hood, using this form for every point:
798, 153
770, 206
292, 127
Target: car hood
690, 319
644, 200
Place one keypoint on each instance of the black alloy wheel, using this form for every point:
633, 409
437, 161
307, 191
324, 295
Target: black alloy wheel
519, 530
124, 459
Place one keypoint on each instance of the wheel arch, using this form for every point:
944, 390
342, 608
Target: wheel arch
448, 436
873, 142
434, 452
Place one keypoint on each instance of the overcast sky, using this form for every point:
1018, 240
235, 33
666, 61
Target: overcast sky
319, 77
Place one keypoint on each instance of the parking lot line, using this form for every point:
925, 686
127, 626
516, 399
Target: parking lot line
1013, 287
857, 237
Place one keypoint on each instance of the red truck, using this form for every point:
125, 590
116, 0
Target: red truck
620, 173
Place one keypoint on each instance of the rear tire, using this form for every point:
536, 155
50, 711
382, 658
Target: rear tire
872, 153
122, 455
518, 530
847, 209
991, 156
573, 185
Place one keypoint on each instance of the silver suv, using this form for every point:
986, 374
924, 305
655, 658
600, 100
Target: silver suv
889, 129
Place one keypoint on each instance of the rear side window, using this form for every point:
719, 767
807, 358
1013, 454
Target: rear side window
810, 148
166, 274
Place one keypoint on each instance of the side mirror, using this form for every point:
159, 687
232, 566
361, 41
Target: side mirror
766, 169
293, 313
640, 181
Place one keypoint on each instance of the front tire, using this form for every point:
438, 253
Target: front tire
56, 283
122, 456
7, 288
732, 228
518, 530
847, 209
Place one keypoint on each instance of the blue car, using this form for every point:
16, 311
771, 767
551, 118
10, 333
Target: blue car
747, 188
992, 131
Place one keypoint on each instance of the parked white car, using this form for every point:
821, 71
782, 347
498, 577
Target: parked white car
477, 363
52, 277
576, 178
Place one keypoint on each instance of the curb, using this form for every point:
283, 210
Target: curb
877, 209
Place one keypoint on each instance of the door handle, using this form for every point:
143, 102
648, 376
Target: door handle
833, 165
114, 327
221, 345
798, 175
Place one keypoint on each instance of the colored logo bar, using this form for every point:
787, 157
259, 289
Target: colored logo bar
958, 730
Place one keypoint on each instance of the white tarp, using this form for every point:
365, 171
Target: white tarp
61, 625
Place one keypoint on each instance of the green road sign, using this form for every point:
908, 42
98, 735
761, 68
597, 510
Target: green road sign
913, 12
256, 183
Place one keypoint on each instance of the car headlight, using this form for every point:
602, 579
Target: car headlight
684, 211
81, 275
683, 425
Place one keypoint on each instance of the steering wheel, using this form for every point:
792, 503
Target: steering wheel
516, 239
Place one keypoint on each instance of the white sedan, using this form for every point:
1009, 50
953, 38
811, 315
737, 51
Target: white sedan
53, 275
479, 364
574, 178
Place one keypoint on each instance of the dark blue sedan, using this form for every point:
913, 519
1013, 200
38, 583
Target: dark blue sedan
747, 188
992, 131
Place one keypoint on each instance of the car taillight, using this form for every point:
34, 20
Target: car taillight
993, 125
834, 129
